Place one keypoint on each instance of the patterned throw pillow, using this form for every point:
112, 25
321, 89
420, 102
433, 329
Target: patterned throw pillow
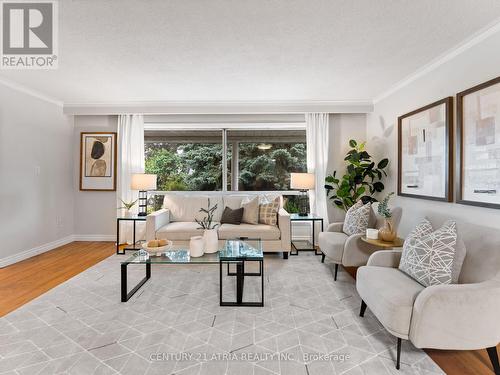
268, 212
357, 218
428, 256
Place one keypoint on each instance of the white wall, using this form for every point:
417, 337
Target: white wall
36, 169
95, 211
476, 65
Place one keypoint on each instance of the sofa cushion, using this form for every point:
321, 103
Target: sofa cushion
262, 231
332, 244
250, 210
230, 216
429, 257
357, 218
390, 295
187, 207
268, 212
179, 230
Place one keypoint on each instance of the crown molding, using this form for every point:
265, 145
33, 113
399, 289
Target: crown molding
475, 39
29, 91
219, 107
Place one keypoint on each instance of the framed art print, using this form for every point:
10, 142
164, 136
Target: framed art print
98, 161
478, 138
425, 152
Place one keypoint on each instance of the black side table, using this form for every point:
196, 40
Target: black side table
305, 245
134, 218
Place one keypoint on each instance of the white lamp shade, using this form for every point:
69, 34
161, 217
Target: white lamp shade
302, 181
142, 181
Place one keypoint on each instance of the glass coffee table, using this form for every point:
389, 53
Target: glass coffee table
235, 251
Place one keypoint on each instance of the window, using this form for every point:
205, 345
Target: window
256, 159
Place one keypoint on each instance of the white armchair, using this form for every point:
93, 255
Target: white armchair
460, 316
350, 251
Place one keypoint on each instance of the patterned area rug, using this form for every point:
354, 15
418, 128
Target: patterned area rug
174, 325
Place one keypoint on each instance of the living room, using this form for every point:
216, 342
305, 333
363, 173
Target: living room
265, 187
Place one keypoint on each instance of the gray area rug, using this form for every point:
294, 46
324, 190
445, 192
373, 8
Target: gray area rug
174, 325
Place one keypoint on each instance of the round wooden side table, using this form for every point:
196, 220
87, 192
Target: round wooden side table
398, 242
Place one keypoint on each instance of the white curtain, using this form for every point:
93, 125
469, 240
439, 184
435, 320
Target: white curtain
130, 160
317, 135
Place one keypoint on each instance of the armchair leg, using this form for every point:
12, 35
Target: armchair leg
363, 309
398, 356
336, 271
322, 258
493, 354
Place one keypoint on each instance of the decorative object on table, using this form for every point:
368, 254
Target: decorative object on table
157, 247
304, 245
98, 161
230, 216
433, 257
372, 234
425, 157
478, 140
210, 235
127, 206
143, 182
387, 232
302, 182
196, 245
357, 218
268, 212
363, 178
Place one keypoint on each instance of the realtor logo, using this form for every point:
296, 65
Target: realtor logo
29, 34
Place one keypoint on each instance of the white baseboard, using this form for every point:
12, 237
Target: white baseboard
95, 237
35, 251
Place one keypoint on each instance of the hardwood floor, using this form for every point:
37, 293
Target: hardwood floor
26, 280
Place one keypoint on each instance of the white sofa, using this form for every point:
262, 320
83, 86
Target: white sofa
176, 221
461, 316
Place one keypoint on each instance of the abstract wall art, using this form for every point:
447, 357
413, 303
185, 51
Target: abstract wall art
478, 139
98, 161
425, 152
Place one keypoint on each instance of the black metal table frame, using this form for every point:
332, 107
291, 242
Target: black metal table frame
134, 219
313, 220
239, 274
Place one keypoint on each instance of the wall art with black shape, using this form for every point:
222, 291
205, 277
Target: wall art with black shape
98, 161
425, 152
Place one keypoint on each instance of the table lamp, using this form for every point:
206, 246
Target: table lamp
143, 182
302, 182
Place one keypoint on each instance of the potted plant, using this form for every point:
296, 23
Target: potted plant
387, 232
210, 235
127, 206
361, 180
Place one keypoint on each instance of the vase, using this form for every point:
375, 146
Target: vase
387, 232
211, 240
196, 245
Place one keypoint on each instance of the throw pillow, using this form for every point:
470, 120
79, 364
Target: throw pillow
268, 212
428, 257
357, 218
230, 216
250, 210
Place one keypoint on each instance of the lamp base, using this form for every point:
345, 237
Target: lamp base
142, 214
303, 213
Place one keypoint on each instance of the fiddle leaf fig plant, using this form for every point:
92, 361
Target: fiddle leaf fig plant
362, 179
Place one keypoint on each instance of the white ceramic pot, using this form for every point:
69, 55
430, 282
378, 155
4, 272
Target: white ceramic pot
196, 245
211, 241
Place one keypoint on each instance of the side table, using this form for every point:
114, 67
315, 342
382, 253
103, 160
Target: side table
305, 245
134, 218
398, 242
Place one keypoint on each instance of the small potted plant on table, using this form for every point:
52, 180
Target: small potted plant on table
210, 236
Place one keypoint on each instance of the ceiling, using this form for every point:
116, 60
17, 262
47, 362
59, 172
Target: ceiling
118, 51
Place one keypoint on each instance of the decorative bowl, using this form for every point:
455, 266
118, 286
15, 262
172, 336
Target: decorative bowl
157, 251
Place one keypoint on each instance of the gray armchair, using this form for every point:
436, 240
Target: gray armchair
351, 251
461, 316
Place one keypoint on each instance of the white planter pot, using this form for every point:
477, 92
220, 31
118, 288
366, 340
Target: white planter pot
196, 245
211, 241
